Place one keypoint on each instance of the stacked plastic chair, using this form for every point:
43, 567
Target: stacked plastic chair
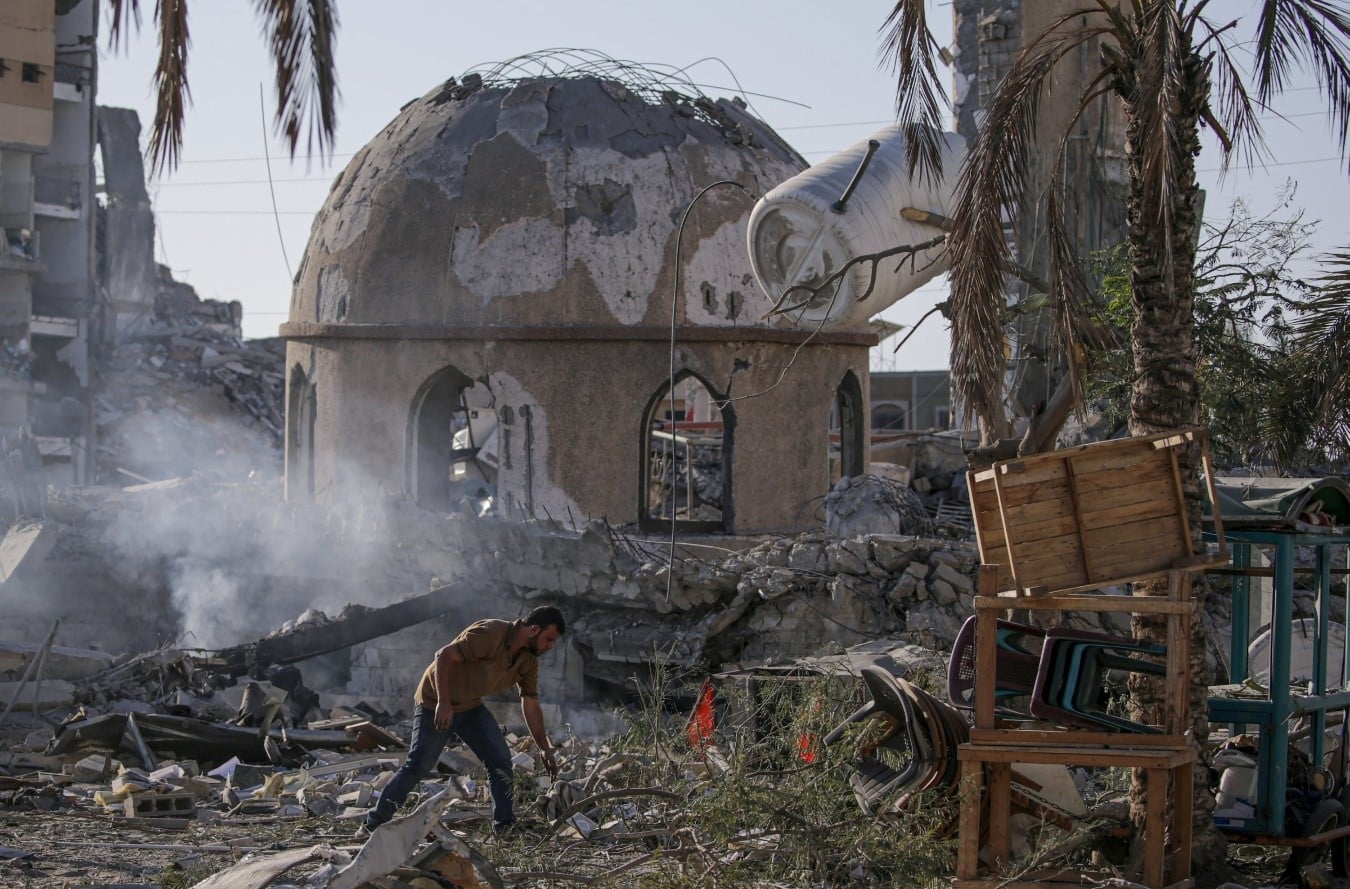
926, 735
1070, 686
1059, 675
1018, 662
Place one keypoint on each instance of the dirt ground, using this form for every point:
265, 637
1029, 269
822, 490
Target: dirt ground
74, 849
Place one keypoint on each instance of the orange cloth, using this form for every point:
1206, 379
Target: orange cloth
488, 667
702, 721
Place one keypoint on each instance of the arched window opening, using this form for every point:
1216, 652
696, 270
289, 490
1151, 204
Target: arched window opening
686, 459
846, 430
301, 409
453, 442
890, 416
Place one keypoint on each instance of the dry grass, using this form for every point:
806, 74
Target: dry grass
748, 811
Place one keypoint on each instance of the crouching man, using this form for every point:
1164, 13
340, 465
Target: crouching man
484, 659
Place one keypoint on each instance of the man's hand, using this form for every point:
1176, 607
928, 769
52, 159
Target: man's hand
534, 720
445, 716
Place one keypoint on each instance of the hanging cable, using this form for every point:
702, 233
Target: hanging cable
267, 155
674, 317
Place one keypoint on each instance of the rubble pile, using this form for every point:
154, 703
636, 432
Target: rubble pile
184, 392
652, 803
320, 789
688, 480
230, 563
933, 469
215, 742
782, 598
754, 790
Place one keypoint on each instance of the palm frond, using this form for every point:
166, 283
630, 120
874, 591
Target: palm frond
126, 17
1069, 289
172, 95
1313, 34
1328, 309
995, 178
909, 48
1234, 115
1157, 99
301, 36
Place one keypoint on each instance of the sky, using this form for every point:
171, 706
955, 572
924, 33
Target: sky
808, 69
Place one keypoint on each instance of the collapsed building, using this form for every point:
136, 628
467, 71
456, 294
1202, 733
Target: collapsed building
484, 404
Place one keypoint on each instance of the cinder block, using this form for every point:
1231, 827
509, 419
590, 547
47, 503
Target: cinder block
160, 805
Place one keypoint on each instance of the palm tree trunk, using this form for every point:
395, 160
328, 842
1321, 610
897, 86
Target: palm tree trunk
1165, 395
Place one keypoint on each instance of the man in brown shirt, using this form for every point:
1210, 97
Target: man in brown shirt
486, 658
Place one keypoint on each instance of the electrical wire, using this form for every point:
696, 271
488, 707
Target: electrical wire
262, 110
674, 306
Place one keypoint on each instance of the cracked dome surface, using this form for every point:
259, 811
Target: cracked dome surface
552, 201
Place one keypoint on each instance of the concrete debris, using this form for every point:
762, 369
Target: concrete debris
47, 695
871, 504
23, 483
322, 783
27, 543
184, 393
611, 810
264, 585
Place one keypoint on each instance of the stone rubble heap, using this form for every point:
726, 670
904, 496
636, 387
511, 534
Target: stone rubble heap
183, 392
240, 563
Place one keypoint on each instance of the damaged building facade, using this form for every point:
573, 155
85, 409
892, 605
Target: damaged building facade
77, 270
501, 287
48, 63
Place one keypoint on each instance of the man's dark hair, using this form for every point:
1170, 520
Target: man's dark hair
546, 616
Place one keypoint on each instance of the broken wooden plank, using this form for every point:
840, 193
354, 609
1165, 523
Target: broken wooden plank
369, 736
357, 763
33, 667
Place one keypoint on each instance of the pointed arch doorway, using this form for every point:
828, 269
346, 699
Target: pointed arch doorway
452, 435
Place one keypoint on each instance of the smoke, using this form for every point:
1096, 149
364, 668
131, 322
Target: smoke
237, 561
183, 436
210, 604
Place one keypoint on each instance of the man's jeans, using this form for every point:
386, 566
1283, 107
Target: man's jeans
478, 729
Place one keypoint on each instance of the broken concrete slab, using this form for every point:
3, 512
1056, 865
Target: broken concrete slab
869, 504
257, 871
47, 695
354, 625
61, 662
390, 845
24, 546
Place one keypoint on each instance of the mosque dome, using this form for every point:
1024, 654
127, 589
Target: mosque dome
523, 197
